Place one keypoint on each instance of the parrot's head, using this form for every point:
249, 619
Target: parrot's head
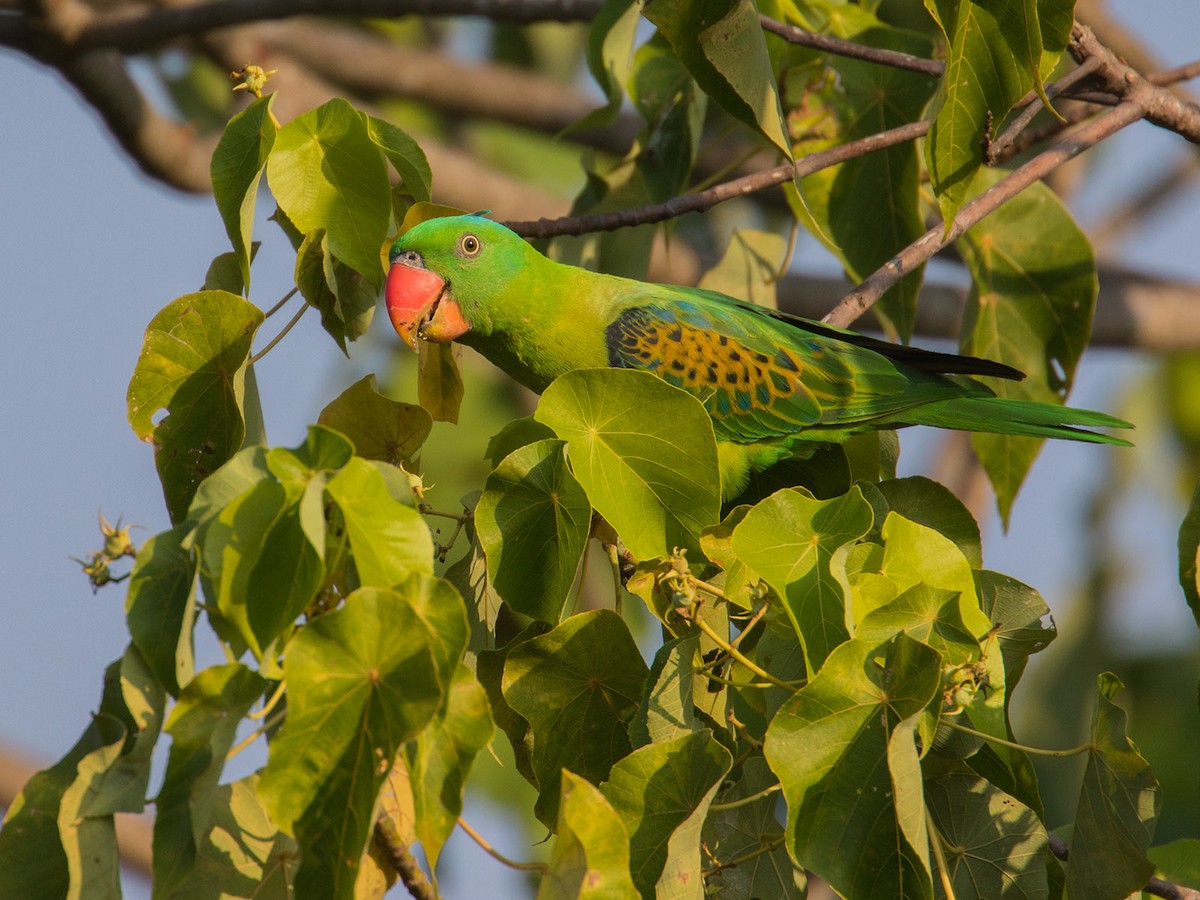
446, 274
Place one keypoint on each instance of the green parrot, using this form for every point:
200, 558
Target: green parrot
772, 383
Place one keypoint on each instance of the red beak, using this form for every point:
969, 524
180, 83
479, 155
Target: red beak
421, 307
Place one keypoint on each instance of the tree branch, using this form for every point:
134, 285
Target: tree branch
1155, 886
703, 200
387, 838
837, 46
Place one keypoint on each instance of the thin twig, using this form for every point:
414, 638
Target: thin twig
278, 306
770, 846
799, 36
939, 854
745, 801
497, 855
282, 333
1000, 145
1155, 885
1036, 751
741, 657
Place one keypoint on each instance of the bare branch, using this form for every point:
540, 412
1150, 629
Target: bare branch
703, 200
367, 62
893, 58
141, 31
1155, 886
162, 148
387, 838
1134, 310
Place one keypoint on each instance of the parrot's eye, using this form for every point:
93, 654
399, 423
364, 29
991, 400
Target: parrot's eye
469, 245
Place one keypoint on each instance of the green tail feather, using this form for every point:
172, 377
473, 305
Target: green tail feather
1000, 415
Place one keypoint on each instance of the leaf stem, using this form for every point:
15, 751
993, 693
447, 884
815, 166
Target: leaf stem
615, 561
270, 704
745, 801
1037, 751
935, 841
711, 589
278, 306
739, 656
255, 734
768, 847
754, 619
497, 855
279, 337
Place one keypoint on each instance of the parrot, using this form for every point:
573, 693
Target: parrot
773, 383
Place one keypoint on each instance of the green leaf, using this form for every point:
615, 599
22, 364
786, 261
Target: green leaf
994, 58
1026, 626
590, 859
1033, 291
327, 173
361, 681
516, 434
237, 164
866, 209
225, 273
644, 452
1189, 555
1118, 808
727, 55
389, 540
610, 43
750, 267
999, 846
160, 607
193, 365
405, 155
1178, 862
828, 745
202, 724
244, 470
380, 427
577, 686
928, 503
746, 829
345, 299
243, 854
667, 708
533, 522
489, 669
798, 545
439, 381
440, 759
232, 546
662, 792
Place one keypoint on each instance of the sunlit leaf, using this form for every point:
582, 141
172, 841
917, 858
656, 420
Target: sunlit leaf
644, 452
726, 53
237, 165
406, 157
662, 792
828, 744
327, 173
1118, 808
193, 365
928, 503
797, 544
999, 846
533, 522
744, 830
243, 854
865, 209
439, 381
1022, 616
750, 267
389, 540
1033, 291
610, 43
344, 298
381, 428
441, 757
577, 686
160, 607
666, 711
361, 681
590, 859
202, 725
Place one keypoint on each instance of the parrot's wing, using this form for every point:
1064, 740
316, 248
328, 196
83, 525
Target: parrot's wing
760, 377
